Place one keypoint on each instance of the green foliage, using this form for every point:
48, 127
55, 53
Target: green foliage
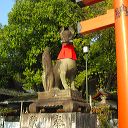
102, 60
4, 111
80, 78
32, 78
103, 115
33, 25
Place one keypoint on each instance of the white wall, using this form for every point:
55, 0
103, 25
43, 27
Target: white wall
11, 124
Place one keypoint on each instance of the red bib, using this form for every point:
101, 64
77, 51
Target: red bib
67, 51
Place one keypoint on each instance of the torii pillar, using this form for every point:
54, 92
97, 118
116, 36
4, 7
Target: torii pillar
117, 17
121, 33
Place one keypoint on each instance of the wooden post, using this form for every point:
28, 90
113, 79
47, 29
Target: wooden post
121, 31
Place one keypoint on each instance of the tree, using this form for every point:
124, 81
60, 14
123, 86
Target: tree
102, 59
33, 25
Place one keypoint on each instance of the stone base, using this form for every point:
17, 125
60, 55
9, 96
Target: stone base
60, 101
58, 120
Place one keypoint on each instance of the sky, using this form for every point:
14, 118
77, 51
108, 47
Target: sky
5, 8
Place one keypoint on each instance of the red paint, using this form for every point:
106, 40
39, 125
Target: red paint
121, 31
98, 23
89, 2
67, 51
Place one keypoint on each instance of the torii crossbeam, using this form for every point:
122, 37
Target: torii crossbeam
119, 19
97, 23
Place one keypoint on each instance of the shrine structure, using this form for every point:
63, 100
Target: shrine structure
117, 17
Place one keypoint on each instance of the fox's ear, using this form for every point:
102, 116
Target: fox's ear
61, 30
71, 30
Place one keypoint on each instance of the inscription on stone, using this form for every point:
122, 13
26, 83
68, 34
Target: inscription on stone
58, 120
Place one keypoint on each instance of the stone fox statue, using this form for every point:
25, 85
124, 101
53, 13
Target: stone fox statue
65, 68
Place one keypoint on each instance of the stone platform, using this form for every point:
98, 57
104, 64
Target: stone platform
60, 101
58, 120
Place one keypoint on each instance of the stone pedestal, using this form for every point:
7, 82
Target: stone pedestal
59, 109
58, 120
60, 101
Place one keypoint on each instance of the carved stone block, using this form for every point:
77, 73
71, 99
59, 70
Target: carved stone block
60, 101
58, 120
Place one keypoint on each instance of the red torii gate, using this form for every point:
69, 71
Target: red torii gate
117, 17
